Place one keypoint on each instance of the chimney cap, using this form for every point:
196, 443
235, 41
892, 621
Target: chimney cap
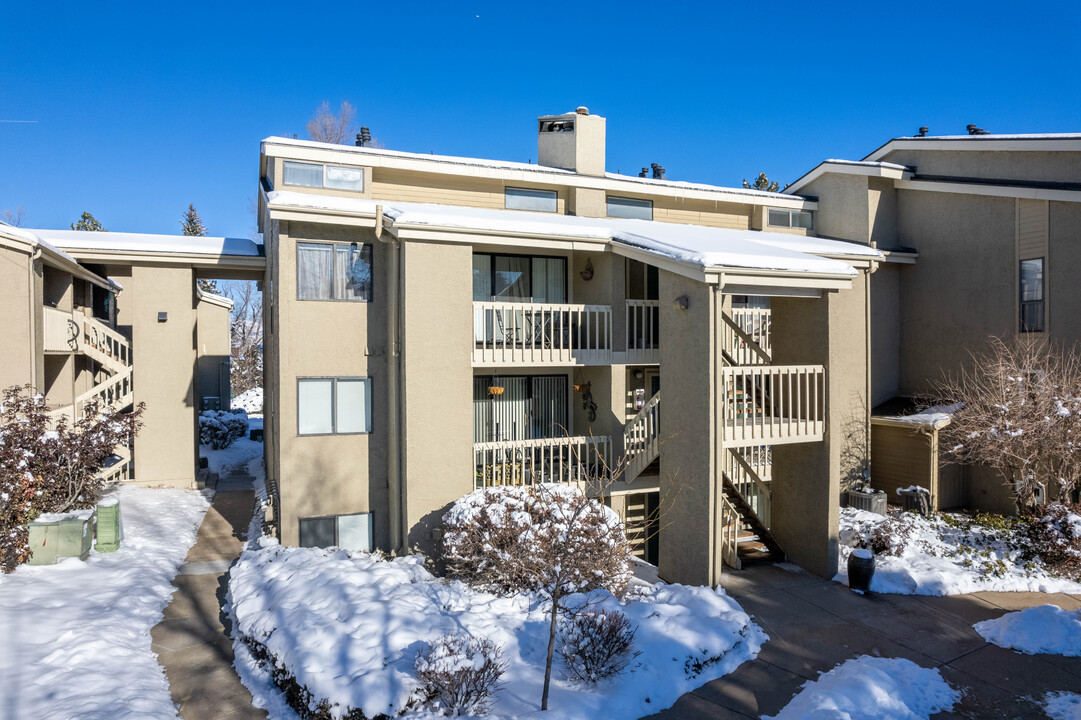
581, 110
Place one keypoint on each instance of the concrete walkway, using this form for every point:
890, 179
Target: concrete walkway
814, 624
192, 640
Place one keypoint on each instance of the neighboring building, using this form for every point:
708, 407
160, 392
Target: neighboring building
118, 317
437, 324
982, 235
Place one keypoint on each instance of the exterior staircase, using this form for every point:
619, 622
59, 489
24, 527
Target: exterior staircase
746, 503
641, 439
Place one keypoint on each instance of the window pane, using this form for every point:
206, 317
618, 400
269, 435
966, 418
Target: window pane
294, 173
353, 272
803, 219
1031, 280
314, 406
355, 532
317, 532
315, 277
548, 283
482, 278
780, 218
511, 278
619, 207
354, 406
529, 199
341, 178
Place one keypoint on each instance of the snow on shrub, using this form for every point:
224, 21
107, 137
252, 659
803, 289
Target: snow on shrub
596, 644
219, 428
1053, 536
250, 401
514, 538
460, 673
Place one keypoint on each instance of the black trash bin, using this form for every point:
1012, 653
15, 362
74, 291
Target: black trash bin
861, 568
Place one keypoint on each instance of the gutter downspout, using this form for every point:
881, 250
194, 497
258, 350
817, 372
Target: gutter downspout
34, 321
867, 330
395, 505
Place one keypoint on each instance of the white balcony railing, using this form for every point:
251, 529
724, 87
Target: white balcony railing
643, 331
544, 460
745, 336
641, 438
541, 334
772, 404
61, 330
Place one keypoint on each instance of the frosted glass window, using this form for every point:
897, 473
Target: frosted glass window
530, 199
791, 218
342, 178
780, 218
355, 532
315, 406
317, 532
304, 174
620, 207
353, 405
803, 219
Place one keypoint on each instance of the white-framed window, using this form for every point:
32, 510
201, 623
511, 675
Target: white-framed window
334, 271
334, 405
335, 177
531, 199
623, 207
1032, 298
349, 532
790, 218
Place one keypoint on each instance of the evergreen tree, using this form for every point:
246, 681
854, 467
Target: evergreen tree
88, 222
191, 223
763, 183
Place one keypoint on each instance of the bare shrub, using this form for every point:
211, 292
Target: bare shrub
460, 673
889, 537
1019, 413
596, 644
326, 126
1053, 536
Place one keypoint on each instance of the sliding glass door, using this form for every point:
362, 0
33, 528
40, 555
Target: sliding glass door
518, 407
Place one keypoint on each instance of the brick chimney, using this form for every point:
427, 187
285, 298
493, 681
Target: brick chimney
574, 141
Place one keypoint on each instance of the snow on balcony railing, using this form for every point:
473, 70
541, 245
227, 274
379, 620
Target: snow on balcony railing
541, 334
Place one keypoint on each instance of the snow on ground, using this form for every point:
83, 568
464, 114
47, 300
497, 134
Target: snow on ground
872, 688
250, 401
1062, 706
76, 635
239, 453
349, 626
1044, 629
945, 555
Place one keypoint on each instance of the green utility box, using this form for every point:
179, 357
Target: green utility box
109, 530
55, 536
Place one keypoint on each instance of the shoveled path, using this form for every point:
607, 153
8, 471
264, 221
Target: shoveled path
814, 624
192, 640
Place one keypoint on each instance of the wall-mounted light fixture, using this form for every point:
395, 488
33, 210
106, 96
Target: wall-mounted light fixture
682, 302
587, 274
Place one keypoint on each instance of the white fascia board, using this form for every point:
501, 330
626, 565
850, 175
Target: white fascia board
56, 258
897, 256
218, 300
836, 168
731, 280
980, 143
293, 213
694, 272
541, 176
1009, 191
474, 236
123, 257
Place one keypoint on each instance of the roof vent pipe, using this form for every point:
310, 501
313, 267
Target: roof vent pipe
364, 137
923, 132
658, 171
581, 110
971, 129
644, 173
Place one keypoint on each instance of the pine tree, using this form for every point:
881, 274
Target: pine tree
763, 183
88, 222
191, 223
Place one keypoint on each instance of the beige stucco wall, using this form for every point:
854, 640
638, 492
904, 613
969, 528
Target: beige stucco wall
1000, 165
843, 208
18, 353
808, 477
1063, 295
886, 331
328, 474
212, 349
436, 377
688, 484
166, 450
963, 287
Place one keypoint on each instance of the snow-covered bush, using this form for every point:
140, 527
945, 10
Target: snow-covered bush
219, 428
1053, 535
520, 538
596, 644
460, 673
250, 401
46, 470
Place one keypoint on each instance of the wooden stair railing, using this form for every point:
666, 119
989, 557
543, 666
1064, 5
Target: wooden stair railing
641, 438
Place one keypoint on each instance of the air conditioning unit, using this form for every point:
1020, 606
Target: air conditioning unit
873, 501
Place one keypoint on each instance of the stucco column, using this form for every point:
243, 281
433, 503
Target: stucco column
163, 355
829, 331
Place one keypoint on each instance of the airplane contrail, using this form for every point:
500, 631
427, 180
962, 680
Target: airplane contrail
18, 121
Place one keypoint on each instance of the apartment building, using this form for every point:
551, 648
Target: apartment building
436, 324
981, 235
118, 318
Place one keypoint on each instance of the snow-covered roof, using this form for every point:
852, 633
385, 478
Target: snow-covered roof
58, 256
519, 166
147, 243
849, 167
937, 416
1003, 141
705, 248
866, 163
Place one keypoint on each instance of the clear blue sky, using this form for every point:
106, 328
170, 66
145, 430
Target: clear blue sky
140, 109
